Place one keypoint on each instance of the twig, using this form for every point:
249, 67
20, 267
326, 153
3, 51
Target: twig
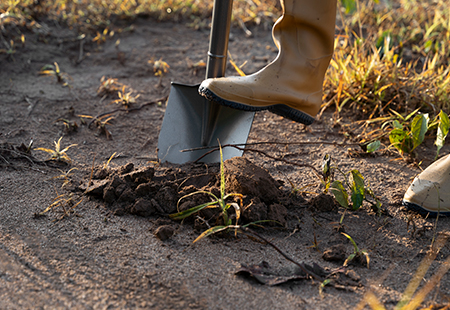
81, 56
264, 153
31, 106
273, 142
92, 173
126, 110
248, 33
301, 265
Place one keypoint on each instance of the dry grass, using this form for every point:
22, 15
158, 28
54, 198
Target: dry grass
388, 55
392, 57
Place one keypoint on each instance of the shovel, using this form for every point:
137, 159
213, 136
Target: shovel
193, 122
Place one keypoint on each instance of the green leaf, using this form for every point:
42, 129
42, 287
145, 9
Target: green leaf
323, 284
411, 114
419, 127
373, 146
355, 247
381, 40
222, 174
349, 5
442, 131
357, 188
427, 46
400, 140
396, 137
397, 124
326, 166
339, 193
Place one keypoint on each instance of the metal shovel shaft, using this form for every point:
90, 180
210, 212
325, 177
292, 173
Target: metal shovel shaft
218, 42
217, 61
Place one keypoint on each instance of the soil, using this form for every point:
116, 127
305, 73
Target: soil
110, 244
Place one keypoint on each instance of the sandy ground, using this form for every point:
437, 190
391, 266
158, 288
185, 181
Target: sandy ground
97, 257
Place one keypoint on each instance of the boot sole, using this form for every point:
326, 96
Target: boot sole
279, 109
423, 211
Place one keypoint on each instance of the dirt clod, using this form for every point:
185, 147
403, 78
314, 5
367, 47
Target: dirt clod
242, 176
335, 253
164, 232
324, 203
278, 214
143, 207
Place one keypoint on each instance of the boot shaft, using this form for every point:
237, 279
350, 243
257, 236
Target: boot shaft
314, 22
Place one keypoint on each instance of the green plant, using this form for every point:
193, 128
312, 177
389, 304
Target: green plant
160, 68
101, 37
65, 176
10, 49
54, 71
339, 226
353, 183
65, 202
69, 126
315, 243
106, 165
108, 86
357, 253
406, 135
217, 202
57, 154
126, 99
100, 122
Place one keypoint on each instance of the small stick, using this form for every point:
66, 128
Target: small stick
126, 110
81, 56
92, 173
273, 142
301, 265
264, 153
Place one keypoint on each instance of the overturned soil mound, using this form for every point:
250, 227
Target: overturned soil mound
149, 191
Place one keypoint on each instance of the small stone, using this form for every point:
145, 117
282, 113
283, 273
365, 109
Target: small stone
353, 275
164, 232
323, 203
257, 211
167, 199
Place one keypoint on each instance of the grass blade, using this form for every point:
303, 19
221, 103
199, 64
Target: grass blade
210, 231
184, 214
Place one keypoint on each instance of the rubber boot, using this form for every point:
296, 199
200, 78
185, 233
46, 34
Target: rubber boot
429, 193
291, 85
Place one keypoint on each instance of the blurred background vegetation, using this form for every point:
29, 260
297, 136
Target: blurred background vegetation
390, 63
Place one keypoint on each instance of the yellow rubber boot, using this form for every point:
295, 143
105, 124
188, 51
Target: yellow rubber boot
291, 85
429, 193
